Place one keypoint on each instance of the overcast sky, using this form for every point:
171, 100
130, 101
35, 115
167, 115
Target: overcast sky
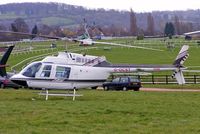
136, 5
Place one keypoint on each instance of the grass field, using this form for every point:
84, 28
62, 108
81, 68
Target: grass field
24, 112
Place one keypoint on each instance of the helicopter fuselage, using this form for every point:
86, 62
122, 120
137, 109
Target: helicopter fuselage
74, 71
57, 76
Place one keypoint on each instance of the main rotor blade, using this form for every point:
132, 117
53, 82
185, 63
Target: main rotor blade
123, 45
37, 35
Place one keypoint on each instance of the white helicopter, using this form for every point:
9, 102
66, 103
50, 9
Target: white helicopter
75, 71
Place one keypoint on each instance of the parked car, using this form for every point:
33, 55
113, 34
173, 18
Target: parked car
6, 82
123, 83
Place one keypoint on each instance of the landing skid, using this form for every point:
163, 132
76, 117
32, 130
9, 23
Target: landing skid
73, 94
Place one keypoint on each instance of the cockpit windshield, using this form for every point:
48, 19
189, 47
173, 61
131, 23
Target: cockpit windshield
32, 70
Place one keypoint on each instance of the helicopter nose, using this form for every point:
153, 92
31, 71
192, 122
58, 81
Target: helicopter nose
19, 79
20, 82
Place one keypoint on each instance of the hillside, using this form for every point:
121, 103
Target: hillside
56, 14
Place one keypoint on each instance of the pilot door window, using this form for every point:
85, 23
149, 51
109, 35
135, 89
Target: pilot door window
46, 71
62, 72
32, 70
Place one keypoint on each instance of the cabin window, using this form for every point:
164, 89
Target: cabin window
62, 72
46, 71
78, 59
32, 70
115, 80
124, 80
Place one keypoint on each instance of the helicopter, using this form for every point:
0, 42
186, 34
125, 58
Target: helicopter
55, 72
72, 71
85, 39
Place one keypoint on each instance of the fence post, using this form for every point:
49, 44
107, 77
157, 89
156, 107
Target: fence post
167, 79
195, 79
152, 78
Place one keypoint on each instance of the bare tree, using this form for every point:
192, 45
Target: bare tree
186, 27
45, 29
177, 25
150, 25
133, 23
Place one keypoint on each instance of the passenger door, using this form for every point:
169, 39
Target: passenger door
115, 83
123, 82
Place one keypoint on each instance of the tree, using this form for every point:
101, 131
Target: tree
34, 31
186, 27
166, 30
13, 28
45, 29
19, 25
150, 24
177, 25
169, 29
2, 27
3, 36
113, 30
133, 23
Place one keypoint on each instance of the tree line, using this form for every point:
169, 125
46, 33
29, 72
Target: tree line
170, 28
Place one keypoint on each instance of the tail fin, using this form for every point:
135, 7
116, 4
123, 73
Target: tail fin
180, 59
179, 76
182, 56
4, 60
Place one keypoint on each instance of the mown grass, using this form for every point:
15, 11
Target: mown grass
141, 56
22, 112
